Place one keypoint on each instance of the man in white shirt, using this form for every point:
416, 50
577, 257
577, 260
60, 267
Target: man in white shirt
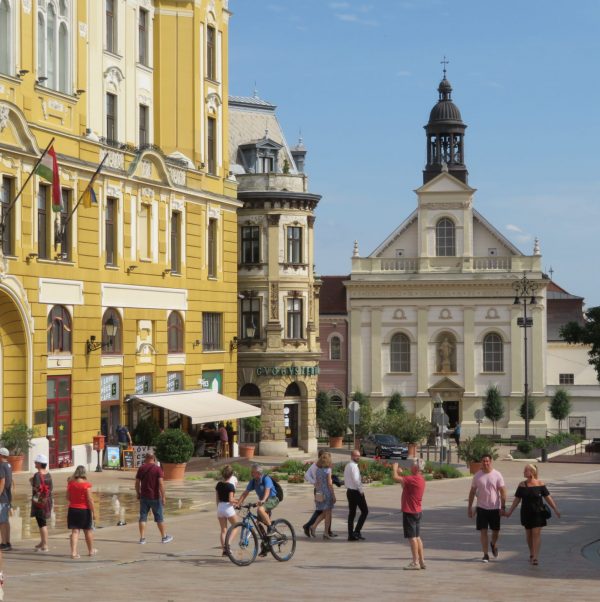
356, 498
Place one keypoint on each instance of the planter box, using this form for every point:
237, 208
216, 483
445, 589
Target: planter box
336, 442
173, 472
247, 450
16, 463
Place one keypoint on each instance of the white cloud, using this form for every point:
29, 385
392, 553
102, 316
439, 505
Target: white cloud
403, 73
513, 228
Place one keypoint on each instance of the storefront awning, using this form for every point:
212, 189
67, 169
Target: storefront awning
201, 405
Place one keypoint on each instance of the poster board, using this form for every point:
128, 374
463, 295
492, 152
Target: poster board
139, 453
112, 457
128, 459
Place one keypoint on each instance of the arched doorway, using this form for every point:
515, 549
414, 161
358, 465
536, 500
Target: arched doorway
291, 413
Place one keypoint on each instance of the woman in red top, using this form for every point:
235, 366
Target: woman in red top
81, 513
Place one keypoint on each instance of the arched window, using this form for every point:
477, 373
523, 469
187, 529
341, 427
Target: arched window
175, 332
112, 332
400, 353
5, 38
493, 353
335, 348
293, 390
249, 390
54, 44
59, 330
445, 238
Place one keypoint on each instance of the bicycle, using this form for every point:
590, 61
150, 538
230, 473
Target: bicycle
241, 541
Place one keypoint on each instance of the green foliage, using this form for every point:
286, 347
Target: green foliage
493, 407
524, 446
146, 432
252, 424
588, 334
560, 406
414, 429
291, 467
323, 402
360, 397
174, 446
17, 438
395, 404
532, 410
243, 473
445, 471
472, 449
335, 421
363, 428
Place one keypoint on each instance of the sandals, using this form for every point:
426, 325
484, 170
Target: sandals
94, 552
534, 561
75, 556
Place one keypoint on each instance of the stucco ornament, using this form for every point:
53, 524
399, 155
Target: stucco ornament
3, 117
213, 102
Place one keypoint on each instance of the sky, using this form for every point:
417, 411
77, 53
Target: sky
358, 78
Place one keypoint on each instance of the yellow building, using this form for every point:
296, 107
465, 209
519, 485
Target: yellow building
139, 294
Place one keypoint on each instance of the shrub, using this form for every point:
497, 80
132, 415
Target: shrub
524, 447
174, 446
395, 403
146, 432
532, 410
472, 449
493, 407
445, 471
560, 406
323, 403
243, 473
17, 438
335, 421
292, 466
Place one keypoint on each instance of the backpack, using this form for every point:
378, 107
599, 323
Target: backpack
42, 494
278, 488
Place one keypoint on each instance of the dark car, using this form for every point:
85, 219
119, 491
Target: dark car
384, 446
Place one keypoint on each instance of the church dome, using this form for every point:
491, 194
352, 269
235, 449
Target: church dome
445, 110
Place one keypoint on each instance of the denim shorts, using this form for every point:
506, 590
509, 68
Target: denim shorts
157, 510
4, 511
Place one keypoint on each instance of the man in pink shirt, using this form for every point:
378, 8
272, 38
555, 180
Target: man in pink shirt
488, 486
413, 487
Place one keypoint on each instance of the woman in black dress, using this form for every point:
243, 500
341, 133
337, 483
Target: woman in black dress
532, 493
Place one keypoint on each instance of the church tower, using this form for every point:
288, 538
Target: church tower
445, 137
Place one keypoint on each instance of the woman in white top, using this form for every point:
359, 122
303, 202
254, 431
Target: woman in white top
225, 494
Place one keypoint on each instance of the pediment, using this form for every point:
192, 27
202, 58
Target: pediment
14, 129
149, 165
393, 237
445, 182
263, 143
445, 385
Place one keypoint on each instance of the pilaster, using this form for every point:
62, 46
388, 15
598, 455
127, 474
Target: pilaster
516, 351
469, 349
422, 350
537, 350
376, 351
355, 350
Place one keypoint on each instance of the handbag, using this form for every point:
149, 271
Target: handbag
319, 496
546, 512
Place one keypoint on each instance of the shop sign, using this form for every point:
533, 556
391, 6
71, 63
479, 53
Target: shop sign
287, 371
213, 380
110, 387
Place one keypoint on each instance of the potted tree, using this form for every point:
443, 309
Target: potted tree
17, 439
413, 429
174, 448
472, 449
335, 423
560, 406
252, 426
493, 407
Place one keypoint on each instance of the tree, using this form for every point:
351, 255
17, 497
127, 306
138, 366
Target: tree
532, 409
323, 403
587, 333
363, 428
493, 408
560, 406
395, 403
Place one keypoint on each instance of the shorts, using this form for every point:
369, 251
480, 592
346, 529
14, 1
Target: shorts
4, 512
271, 503
157, 510
488, 519
411, 524
79, 518
40, 516
225, 510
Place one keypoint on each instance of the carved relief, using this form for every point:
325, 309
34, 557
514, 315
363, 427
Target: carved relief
446, 353
399, 314
177, 204
4, 111
273, 219
27, 6
83, 29
113, 78
445, 314
44, 109
177, 176
213, 102
214, 212
274, 301
114, 159
492, 314
146, 169
310, 220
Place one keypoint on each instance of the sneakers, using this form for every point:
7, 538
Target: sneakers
5, 547
306, 531
413, 566
485, 558
422, 565
142, 541
494, 548
167, 539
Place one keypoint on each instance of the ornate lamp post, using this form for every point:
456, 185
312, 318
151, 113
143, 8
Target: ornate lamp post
525, 293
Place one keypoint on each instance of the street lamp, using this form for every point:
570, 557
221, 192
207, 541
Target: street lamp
525, 293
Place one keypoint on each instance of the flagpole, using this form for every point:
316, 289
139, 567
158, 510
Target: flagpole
6, 213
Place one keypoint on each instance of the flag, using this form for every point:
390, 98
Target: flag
48, 169
89, 198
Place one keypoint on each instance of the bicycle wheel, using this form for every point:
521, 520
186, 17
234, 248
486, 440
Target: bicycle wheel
241, 544
283, 541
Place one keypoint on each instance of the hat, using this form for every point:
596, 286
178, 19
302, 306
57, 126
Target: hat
41, 459
4, 451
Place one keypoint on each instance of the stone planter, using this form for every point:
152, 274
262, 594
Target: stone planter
16, 463
412, 450
247, 450
173, 472
336, 442
474, 467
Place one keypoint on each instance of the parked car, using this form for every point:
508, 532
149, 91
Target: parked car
384, 446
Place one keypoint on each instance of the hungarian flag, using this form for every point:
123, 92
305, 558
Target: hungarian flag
89, 197
48, 169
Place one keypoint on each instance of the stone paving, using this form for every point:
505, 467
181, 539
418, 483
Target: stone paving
191, 567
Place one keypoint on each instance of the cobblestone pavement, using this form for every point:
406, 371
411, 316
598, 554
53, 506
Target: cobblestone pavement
191, 567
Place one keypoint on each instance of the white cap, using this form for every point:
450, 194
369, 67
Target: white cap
4, 451
41, 459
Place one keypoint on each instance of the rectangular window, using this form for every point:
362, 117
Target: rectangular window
6, 196
143, 37
175, 242
111, 117
144, 234
250, 318
211, 332
42, 215
250, 244
294, 319
211, 145
566, 379
294, 244
211, 53
212, 247
65, 228
266, 164
111, 26
144, 137
110, 231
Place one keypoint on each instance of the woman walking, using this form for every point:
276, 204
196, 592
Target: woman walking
531, 494
225, 492
324, 494
41, 499
81, 512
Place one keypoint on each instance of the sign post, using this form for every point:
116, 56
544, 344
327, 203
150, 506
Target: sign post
479, 416
354, 419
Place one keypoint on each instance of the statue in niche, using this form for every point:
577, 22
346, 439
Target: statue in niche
446, 355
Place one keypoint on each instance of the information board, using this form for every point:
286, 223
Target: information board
128, 459
112, 457
140, 452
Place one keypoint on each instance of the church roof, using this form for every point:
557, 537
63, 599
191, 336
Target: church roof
562, 307
332, 297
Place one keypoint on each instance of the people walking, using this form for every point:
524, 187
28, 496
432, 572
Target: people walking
41, 499
150, 489
7, 491
81, 512
457, 430
356, 497
488, 486
413, 487
532, 494
324, 494
225, 493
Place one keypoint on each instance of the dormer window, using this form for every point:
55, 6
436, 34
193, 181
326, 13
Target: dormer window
266, 164
260, 156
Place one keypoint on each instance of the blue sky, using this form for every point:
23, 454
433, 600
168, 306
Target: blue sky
360, 77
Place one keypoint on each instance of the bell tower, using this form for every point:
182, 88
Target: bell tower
445, 137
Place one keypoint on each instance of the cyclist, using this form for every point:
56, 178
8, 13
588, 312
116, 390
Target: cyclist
265, 491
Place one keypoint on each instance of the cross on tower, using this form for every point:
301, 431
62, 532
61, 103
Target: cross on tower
444, 62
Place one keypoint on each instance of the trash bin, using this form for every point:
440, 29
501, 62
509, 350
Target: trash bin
544, 455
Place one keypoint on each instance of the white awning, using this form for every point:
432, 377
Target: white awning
201, 405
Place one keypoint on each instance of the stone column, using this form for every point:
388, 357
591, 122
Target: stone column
469, 350
422, 350
516, 351
272, 438
538, 349
376, 351
308, 422
356, 382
